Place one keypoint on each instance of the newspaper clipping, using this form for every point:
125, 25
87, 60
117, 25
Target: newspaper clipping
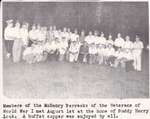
79, 59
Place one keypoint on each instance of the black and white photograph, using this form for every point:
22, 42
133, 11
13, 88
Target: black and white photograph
75, 50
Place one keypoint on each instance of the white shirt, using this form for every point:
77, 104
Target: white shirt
138, 45
42, 36
8, 33
92, 50
16, 33
96, 39
119, 42
33, 34
55, 45
24, 35
110, 51
119, 55
89, 39
128, 45
110, 41
128, 55
102, 40
74, 37
27, 51
63, 47
74, 48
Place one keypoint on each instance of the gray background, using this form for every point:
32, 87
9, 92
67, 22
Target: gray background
110, 17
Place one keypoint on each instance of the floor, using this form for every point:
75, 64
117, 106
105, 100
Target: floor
52, 79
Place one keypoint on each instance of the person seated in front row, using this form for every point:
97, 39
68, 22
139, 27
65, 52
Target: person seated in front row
92, 53
62, 49
28, 55
73, 51
110, 54
122, 56
83, 53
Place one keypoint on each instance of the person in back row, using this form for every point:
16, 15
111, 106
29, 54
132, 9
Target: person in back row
18, 43
92, 53
24, 34
62, 48
137, 53
89, 38
128, 44
9, 38
73, 51
110, 40
83, 53
82, 37
32, 35
119, 42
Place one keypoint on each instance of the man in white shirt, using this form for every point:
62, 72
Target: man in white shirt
24, 35
119, 42
62, 48
123, 56
110, 40
137, 53
89, 38
42, 36
100, 53
28, 55
96, 38
8, 36
75, 36
73, 51
32, 35
92, 53
102, 39
128, 44
120, 58
50, 34
110, 55
18, 43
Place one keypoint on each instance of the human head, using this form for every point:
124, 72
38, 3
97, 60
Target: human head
95, 33
102, 34
127, 38
17, 24
82, 33
119, 35
137, 38
110, 36
90, 32
33, 27
64, 29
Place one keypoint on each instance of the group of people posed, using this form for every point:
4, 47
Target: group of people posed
41, 42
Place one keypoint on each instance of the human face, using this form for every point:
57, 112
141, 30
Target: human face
119, 35
75, 31
127, 38
33, 27
90, 33
137, 39
38, 27
54, 28
82, 33
17, 25
102, 34
10, 24
50, 28
68, 30
95, 33
110, 37
24, 26
65, 29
